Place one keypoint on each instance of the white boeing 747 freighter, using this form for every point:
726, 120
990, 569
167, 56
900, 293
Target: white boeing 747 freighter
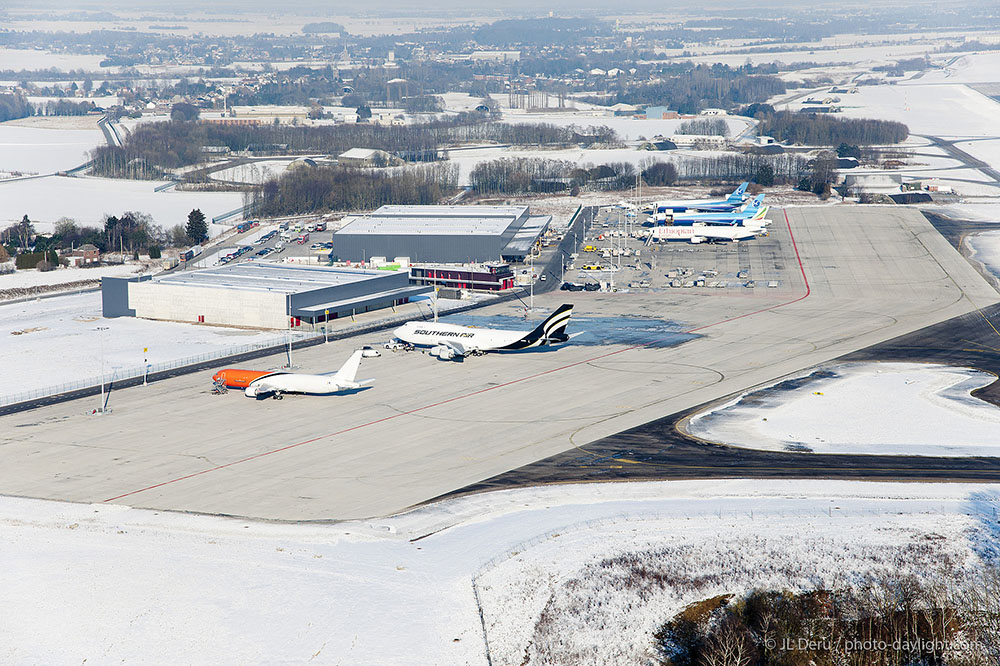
449, 341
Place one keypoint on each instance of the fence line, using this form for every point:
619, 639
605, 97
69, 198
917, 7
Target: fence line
272, 345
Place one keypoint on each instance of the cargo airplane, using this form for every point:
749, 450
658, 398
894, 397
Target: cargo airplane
449, 341
264, 383
733, 201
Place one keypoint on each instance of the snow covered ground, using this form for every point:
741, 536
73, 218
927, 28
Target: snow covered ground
255, 173
579, 574
986, 247
41, 151
867, 408
66, 328
940, 110
87, 200
18, 59
33, 278
970, 68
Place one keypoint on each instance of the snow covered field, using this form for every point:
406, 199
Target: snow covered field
87, 200
867, 408
36, 150
255, 173
56, 341
971, 68
18, 59
579, 574
33, 278
467, 159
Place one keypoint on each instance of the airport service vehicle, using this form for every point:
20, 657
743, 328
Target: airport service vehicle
731, 202
263, 383
448, 341
369, 352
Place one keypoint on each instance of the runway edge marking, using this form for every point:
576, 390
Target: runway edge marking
263, 454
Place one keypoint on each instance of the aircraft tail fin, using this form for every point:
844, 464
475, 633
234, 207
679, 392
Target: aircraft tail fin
739, 194
349, 370
553, 329
755, 204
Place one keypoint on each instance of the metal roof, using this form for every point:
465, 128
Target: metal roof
343, 304
437, 220
527, 235
266, 276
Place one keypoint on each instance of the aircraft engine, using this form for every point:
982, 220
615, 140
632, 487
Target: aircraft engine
443, 352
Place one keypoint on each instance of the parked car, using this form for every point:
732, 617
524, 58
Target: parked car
369, 352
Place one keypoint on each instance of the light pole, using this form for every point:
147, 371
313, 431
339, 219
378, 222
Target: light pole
145, 365
531, 279
288, 312
100, 338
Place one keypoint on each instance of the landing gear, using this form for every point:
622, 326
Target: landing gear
277, 396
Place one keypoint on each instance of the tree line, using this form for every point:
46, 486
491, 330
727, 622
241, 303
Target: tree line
824, 130
312, 189
700, 87
156, 147
520, 175
709, 126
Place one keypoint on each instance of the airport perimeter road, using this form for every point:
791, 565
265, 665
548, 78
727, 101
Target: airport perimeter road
428, 427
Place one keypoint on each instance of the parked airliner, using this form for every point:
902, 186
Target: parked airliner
449, 341
753, 210
731, 202
261, 384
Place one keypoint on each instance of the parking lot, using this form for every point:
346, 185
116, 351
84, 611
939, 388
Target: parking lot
620, 260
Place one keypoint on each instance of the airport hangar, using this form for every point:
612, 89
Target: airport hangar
258, 295
441, 234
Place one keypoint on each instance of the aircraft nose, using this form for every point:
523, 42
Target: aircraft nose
218, 376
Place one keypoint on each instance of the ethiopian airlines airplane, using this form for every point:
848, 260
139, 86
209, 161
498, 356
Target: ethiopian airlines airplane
261, 384
449, 341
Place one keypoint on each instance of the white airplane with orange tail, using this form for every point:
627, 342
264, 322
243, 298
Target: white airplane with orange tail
263, 383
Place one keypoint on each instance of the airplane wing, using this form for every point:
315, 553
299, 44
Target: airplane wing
457, 347
261, 389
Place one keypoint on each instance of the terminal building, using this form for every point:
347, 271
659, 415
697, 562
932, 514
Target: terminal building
258, 295
441, 234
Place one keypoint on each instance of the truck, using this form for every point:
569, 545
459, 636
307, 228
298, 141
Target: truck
302, 239
321, 226
246, 226
189, 254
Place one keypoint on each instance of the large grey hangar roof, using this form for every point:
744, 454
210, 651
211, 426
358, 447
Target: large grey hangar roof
437, 220
267, 276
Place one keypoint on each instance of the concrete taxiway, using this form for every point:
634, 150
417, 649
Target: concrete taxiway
850, 277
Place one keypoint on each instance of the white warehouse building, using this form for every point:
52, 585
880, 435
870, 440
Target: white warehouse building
257, 295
